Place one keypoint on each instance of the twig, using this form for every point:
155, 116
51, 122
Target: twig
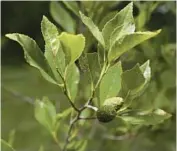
118, 138
87, 105
70, 130
87, 118
66, 92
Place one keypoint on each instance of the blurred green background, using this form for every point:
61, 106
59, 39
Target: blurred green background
21, 84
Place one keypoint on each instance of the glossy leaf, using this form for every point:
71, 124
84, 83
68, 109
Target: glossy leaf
111, 83
34, 56
93, 29
72, 78
129, 42
62, 17
45, 113
145, 117
73, 46
5, 146
73, 6
53, 50
123, 19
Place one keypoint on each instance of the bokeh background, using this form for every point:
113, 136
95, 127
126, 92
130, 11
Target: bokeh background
21, 84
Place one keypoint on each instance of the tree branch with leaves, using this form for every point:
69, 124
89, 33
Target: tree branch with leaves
110, 90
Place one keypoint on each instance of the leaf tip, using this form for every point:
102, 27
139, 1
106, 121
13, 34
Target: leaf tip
158, 31
8, 35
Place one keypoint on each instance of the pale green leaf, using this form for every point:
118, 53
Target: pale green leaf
111, 83
129, 42
45, 113
62, 17
146, 70
113, 101
73, 6
123, 19
34, 56
72, 78
73, 46
53, 50
5, 146
145, 117
93, 29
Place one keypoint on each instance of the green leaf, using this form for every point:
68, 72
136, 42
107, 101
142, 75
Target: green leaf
134, 82
73, 46
62, 17
86, 84
146, 71
72, 78
145, 117
129, 42
45, 113
34, 56
73, 6
123, 19
53, 50
108, 17
93, 29
94, 66
5, 146
111, 83
131, 80
64, 114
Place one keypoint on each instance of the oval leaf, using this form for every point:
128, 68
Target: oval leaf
62, 17
72, 78
34, 56
73, 46
73, 6
145, 117
93, 29
129, 42
124, 18
45, 113
53, 50
111, 83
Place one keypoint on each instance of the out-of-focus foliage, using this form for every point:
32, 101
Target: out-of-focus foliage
22, 84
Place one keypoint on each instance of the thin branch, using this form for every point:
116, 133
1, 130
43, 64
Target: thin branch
66, 92
87, 105
69, 132
122, 137
92, 107
87, 118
